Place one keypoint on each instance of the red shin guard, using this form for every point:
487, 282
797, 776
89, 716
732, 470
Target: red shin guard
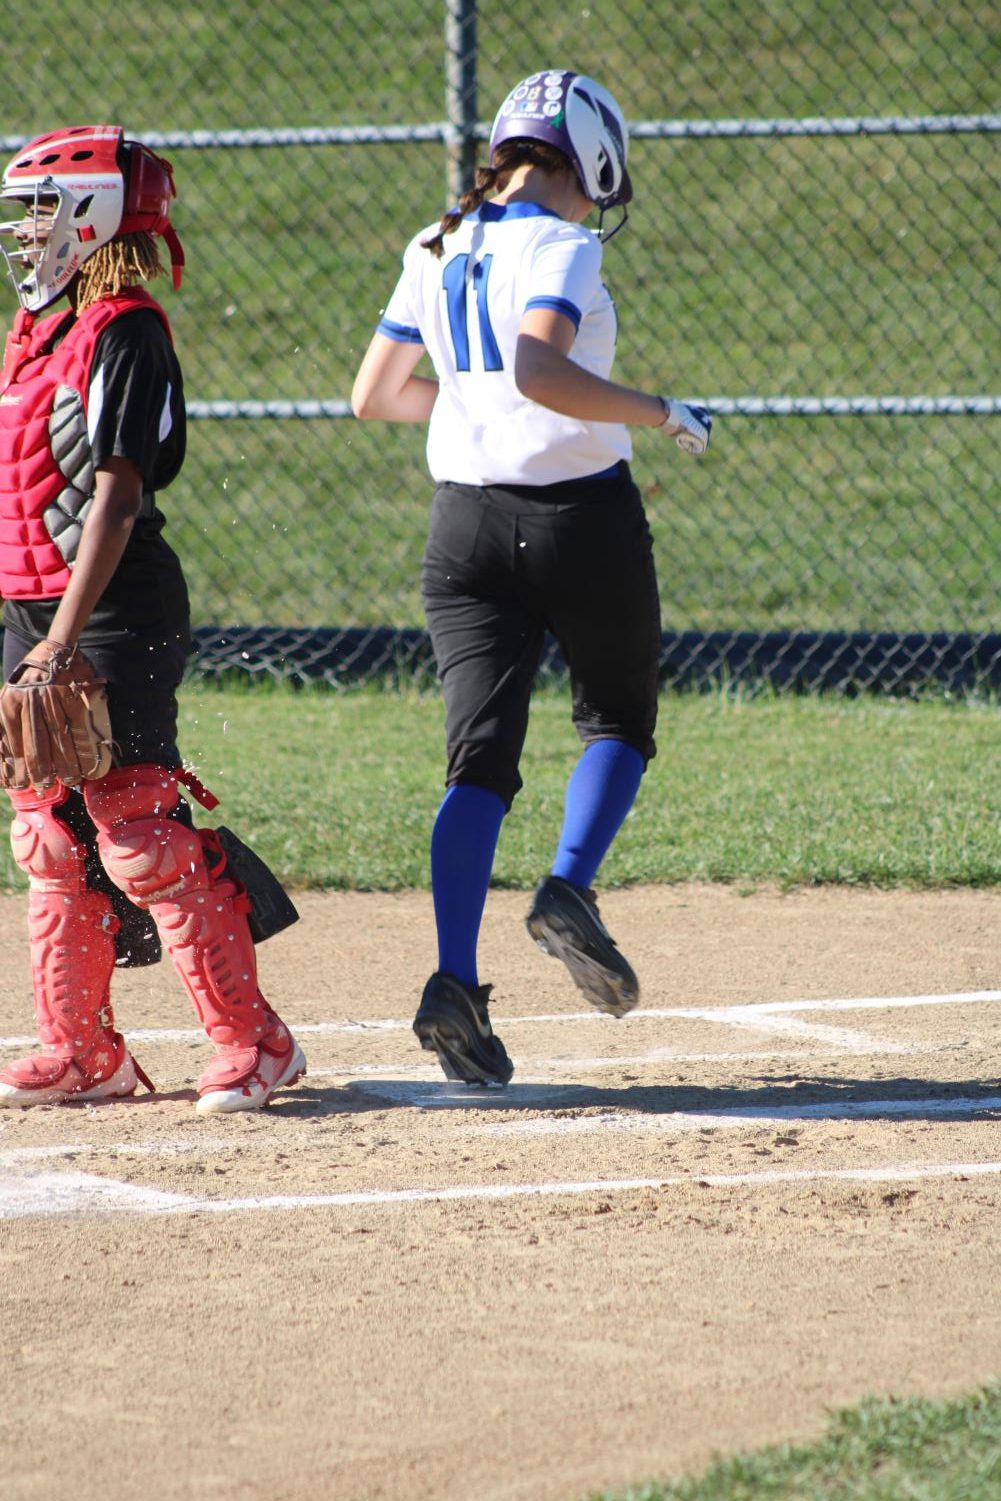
71, 937
161, 864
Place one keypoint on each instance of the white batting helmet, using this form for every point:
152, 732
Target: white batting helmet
575, 114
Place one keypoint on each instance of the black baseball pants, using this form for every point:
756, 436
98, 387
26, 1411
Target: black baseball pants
504, 565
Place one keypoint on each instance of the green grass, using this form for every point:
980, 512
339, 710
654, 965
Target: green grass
875, 524
798, 266
340, 789
748, 265
912, 1450
233, 65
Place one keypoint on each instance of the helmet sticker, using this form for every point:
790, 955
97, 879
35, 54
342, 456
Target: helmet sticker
577, 116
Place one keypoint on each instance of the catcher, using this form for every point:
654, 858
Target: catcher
96, 636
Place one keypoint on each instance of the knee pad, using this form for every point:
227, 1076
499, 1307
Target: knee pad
55, 843
148, 854
44, 847
136, 941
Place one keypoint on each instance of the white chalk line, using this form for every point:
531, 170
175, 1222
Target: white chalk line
528, 1096
544, 1069
839, 1038
547, 1071
738, 1015
783, 1115
45, 1195
422, 1093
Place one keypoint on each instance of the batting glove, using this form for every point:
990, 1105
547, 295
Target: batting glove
695, 425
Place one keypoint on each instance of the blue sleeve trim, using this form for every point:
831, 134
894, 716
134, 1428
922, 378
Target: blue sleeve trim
558, 305
399, 331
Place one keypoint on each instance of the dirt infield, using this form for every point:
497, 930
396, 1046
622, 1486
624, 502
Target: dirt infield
697, 1229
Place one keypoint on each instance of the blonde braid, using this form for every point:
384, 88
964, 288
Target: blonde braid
117, 265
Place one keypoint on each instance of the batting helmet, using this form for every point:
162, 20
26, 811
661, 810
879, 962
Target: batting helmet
96, 186
573, 113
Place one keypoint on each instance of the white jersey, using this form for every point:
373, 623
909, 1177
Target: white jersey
466, 308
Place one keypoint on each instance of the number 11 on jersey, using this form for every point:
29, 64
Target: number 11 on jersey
454, 279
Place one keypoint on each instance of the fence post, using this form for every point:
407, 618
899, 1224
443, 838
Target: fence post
460, 95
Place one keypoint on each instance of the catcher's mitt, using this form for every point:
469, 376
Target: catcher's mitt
54, 728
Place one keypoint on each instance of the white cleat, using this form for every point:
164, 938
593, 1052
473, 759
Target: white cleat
47, 1079
245, 1078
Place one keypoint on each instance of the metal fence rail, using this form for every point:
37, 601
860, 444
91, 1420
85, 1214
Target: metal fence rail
814, 239
469, 130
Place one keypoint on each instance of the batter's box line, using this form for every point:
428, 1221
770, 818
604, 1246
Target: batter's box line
46, 1195
537, 1093
692, 1013
753, 1116
542, 1094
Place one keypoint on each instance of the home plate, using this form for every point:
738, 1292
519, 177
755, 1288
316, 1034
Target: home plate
526, 1095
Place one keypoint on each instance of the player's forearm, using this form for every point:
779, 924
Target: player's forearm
548, 377
386, 388
410, 402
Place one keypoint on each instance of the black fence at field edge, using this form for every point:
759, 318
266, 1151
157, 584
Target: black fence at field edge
846, 662
892, 663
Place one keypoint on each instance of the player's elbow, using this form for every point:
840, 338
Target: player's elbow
530, 378
368, 392
362, 402
537, 369
531, 386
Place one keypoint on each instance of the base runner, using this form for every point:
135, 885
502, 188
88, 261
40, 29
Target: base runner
536, 526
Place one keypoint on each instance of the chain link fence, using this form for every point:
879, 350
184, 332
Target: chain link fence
813, 252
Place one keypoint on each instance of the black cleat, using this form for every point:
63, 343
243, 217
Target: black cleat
452, 1021
564, 922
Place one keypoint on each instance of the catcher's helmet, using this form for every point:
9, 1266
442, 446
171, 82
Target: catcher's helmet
96, 186
580, 118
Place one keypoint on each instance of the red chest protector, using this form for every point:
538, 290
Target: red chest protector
46, 466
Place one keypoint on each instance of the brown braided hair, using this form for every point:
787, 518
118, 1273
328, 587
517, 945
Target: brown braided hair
493, 179
117, 265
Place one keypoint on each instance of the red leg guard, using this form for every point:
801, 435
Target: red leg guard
71, 938
160, 864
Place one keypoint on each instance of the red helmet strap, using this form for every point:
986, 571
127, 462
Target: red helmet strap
150, 189
176, 255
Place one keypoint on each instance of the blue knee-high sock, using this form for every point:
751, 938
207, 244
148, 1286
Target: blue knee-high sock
463, 845
600, 792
